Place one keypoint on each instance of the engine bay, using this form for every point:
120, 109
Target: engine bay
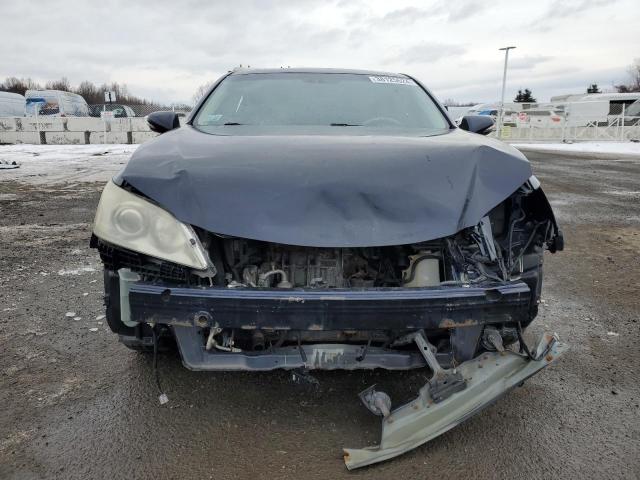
507, 242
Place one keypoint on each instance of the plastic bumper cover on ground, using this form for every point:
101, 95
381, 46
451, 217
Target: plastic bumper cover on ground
487, 376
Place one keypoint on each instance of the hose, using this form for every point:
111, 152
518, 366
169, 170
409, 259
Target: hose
414, 264
163, 397
524, 346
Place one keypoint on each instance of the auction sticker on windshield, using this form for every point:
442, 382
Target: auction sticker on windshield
393, 80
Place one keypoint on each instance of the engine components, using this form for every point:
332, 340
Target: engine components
423, 271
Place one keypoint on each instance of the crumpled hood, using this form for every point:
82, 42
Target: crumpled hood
327, 191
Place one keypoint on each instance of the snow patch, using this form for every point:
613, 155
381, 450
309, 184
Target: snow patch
76, 271
609, 148
51, 164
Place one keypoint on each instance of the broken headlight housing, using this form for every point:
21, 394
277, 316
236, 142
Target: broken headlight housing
131, 222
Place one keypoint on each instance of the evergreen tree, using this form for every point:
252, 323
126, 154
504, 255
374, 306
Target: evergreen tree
593, 88
524, 97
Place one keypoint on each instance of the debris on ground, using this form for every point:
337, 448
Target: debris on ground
5, 165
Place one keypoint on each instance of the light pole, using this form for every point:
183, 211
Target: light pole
504, 84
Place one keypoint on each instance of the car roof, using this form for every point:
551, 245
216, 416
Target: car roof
249, 71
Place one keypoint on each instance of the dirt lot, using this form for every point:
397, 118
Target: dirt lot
78, 405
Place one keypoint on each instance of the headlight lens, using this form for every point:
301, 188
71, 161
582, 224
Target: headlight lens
132, 222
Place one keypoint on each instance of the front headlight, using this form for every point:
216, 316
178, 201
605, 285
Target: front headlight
131, 222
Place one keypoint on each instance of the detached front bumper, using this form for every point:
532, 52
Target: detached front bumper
487, 377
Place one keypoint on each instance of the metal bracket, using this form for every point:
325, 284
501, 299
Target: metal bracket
443, 383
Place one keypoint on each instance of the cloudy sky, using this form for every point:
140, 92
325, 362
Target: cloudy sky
164, 50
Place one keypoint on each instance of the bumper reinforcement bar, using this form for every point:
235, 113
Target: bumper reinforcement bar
487, 377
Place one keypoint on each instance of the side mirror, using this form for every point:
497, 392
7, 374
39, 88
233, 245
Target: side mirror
477, 123
161, 122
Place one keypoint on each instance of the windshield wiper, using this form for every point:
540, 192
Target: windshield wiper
344, 125
232, 123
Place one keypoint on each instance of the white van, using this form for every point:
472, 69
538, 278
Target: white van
11, 105
56, 103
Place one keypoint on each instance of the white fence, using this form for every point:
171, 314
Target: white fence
579, 121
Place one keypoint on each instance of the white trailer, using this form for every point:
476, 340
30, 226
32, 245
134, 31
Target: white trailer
594, 108
56, 103
12, 105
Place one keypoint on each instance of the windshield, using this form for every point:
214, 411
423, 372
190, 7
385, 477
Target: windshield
319, 102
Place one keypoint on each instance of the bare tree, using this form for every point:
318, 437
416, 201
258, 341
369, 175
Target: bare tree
91, 92
18, 85
634, 76
62, 84
200, 91
450, 102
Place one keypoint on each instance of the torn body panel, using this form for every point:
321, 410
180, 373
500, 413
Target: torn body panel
487, 377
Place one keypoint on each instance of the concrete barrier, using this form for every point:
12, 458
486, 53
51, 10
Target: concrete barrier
20, 137
74, 130
120, 125
85, 124
66, 138
7, 124
112, 137
139, 124
43, 124
141, 137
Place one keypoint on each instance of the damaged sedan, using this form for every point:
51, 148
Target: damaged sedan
333, 219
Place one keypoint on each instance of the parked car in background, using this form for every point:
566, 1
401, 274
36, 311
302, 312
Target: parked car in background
119, 111
55, 103
540, 117
12, 105
457, 112
508, 116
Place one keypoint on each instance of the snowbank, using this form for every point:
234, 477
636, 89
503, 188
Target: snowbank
586, 149
40, 164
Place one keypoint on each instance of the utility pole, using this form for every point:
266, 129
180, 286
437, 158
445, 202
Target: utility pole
504, 84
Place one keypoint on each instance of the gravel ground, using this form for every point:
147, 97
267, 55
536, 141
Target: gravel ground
78, 405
